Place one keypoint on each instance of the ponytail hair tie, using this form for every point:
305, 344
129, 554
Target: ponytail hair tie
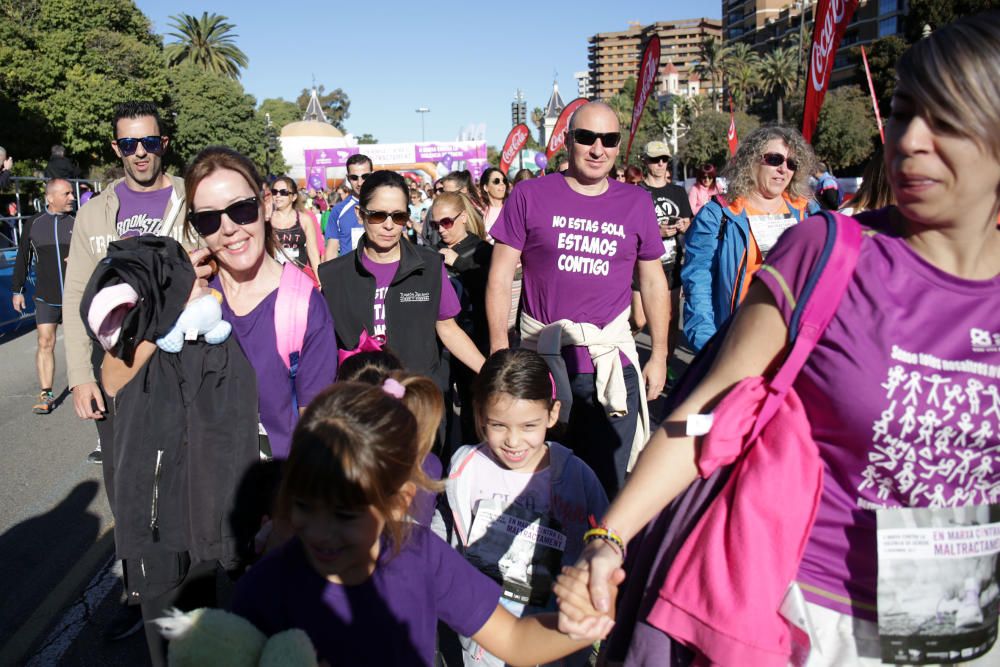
552, 382
394, 388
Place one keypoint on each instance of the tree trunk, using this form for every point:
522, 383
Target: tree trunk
781, 118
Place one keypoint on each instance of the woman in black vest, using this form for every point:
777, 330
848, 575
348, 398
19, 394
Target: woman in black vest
396, 291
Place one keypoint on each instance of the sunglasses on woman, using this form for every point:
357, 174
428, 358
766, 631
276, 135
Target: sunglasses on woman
129, 145
497, 181
242, 212
281, 192
446, 223
777, 159
378, 217
588, 137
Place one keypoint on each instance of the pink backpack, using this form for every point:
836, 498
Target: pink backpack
291, 316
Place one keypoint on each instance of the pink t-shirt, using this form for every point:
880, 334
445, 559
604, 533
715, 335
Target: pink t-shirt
578, 252
903, 395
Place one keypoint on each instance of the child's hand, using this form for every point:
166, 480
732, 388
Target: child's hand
578, 617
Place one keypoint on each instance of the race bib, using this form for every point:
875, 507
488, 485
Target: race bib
767, 229
356, 233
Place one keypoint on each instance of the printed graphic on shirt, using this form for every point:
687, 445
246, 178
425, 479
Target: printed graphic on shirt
588, 246
378, 324
767, 229
139, 224
936, 443
519, 548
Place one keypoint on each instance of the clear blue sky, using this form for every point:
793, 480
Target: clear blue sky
463, 60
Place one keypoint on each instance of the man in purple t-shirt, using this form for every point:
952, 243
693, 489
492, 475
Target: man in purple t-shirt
580, 237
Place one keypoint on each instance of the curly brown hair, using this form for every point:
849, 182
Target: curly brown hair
740, 171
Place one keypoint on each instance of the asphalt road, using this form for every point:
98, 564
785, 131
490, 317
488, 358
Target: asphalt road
59, 584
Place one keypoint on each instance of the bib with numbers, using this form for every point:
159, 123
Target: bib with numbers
768, 228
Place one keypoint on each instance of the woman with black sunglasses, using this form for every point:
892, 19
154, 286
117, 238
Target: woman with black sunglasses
225, 208
768, 192
495, 188
294, 227
396, 291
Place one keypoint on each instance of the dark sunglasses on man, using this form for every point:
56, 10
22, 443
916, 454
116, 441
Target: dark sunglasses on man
588, 137
357, 177
242, 212
129, 145
777, 159
659, 158
378, 217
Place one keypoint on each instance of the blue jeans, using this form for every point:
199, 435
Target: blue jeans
604, 443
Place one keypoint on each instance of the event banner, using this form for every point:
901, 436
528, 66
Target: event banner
832, 17
734, 141
558, 138
516, 140
938, 596
649, 67
445, 153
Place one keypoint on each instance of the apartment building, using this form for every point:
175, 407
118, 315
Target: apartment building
614, 56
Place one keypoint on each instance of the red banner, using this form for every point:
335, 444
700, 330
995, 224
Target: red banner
558, 138
871, 89
832, 17
516, 140
649, 67
734, 141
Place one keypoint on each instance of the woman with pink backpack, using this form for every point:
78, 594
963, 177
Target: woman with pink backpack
884, 350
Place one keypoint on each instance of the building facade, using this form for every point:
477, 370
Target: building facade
613, 57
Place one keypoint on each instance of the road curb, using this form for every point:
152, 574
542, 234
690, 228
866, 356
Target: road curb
26, 638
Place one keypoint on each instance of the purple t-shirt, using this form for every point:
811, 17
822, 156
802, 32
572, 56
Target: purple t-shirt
390, 619
317, 363
903, 396
578, 252
448, 307
140, 213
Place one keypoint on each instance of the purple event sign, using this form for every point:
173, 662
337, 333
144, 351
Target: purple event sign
388, 154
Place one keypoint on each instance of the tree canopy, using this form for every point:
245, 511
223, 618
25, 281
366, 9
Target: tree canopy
207, 42
706, 141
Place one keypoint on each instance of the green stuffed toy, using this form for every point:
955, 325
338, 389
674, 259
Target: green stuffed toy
216, 637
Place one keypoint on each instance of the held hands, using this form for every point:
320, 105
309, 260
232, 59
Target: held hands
586, 592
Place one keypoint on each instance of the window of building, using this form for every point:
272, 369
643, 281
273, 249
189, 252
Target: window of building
888, 6
888, 26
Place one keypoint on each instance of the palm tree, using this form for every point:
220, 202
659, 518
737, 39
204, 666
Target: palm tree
711, 57
777, 73
538, 120
206, 42
743, 73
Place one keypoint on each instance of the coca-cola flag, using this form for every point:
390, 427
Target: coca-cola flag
832, 17
558, 137
516, 140
649, 67
734, 141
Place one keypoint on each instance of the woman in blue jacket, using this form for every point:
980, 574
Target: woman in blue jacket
768, 191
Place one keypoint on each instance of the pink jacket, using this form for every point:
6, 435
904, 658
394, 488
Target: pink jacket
700, 195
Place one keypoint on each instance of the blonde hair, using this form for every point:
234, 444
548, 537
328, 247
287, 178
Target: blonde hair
474, 221
953, 78
740, 171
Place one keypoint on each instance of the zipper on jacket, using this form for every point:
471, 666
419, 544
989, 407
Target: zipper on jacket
154, 518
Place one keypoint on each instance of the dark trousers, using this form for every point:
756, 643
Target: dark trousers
604, 443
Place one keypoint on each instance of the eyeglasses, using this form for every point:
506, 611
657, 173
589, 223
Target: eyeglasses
497, 181
242, 212
439, 190
378, 217
587, 137
446, 223
128, 145
777, 159
661, 159
281, 192
357, 177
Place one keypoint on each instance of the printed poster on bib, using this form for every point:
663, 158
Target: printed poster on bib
938, 595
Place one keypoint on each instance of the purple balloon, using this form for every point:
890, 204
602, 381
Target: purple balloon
541, 161
448, 161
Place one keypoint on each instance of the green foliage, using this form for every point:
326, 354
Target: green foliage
882, 57
777, 75
706, 141
336, 104
282, 112
367, 139
212, 109
846, 130
207, 42
712, 56
650, 127
62, 76
937, 13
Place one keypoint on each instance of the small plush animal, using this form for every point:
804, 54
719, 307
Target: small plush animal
219, 638
201, 317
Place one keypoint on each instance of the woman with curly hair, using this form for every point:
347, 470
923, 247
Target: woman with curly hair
728, 240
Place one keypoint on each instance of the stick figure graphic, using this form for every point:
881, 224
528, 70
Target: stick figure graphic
881, 427
965, 427
869, 478
972, 389
994, 395
928, 422
908, 421
962, 469
942, 439
934, 381
913, 388
937, 497
984, 469
954, 394
896, 375
906, 477
980, 437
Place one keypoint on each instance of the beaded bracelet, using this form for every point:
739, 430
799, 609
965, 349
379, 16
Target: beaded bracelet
605, 535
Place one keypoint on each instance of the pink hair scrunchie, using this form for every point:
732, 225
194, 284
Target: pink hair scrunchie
394, 388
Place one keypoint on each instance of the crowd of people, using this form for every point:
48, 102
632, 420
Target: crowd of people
442, 385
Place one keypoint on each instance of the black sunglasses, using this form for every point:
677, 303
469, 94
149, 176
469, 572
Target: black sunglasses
587, 137
777, 159
128, 145
447, 223
497, 181
242, 212
378, 217
357, 177
281, 192
658, 158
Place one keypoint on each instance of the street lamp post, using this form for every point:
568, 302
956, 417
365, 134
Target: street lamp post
271, 144
422, 111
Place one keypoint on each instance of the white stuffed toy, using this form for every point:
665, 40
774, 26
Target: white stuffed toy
221, 639
202, 316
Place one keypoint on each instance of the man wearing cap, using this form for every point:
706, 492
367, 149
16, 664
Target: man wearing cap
673, 212
580, 237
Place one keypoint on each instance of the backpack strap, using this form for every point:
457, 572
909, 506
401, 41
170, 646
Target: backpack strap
721, 201
291, 315
821, 296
